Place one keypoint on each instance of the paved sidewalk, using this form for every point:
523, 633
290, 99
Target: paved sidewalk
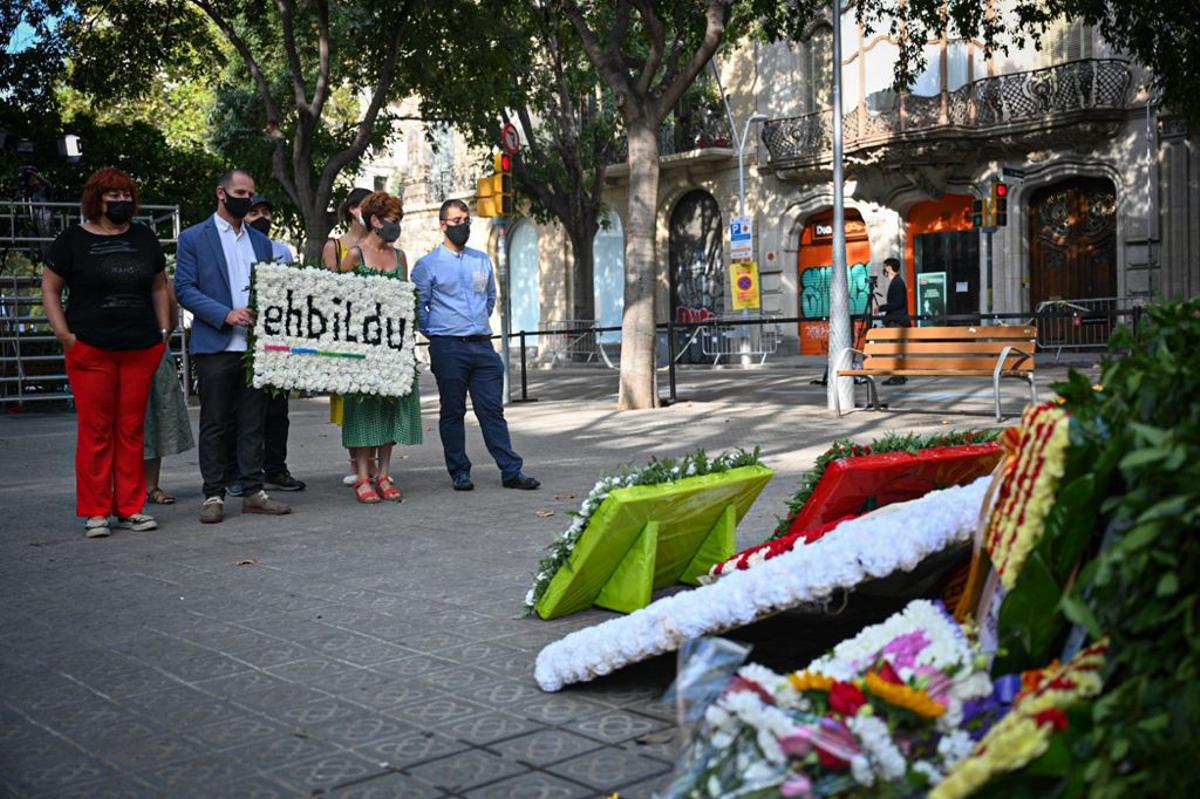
361, 651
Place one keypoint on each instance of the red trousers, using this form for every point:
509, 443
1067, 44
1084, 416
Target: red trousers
111, 389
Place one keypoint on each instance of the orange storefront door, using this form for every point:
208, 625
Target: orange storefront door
815, 264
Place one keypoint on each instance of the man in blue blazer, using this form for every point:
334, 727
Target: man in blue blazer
212, 280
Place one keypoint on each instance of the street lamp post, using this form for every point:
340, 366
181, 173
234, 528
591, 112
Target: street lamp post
839, 285
742, 158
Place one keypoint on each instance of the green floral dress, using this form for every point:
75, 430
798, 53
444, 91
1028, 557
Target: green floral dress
371, 420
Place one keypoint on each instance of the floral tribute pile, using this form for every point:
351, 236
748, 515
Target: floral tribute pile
892, 539
1027, 731
657, 472
888, 713
321, 331
904, 708
945, 459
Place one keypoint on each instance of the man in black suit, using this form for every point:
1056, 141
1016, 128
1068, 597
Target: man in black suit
895, 310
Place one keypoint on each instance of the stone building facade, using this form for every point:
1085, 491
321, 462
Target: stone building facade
1104, 186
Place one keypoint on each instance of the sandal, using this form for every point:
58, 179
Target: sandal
364, 492
156, 496
97, 527
387, 490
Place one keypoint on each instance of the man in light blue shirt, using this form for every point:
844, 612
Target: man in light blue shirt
456, 292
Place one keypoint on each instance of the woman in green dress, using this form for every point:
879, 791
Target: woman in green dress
373, 425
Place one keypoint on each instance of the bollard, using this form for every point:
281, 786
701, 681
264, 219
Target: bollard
524, 379
671, 359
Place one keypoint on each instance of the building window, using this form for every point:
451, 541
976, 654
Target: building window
381, 183
820, 68
1066, 40
441, 165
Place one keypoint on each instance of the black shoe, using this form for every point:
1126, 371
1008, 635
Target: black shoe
462, 482
523, 482
283, 481
895, 381
234, 489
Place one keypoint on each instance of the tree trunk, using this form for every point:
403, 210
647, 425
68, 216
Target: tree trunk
639, 388
583, 292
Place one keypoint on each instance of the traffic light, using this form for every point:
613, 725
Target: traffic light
977, 211
494, 194
999, 204
502, 187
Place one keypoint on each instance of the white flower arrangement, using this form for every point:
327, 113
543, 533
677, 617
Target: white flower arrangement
323, 331
895, 538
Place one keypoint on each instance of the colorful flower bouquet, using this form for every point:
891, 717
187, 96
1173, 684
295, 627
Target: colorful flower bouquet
886, 713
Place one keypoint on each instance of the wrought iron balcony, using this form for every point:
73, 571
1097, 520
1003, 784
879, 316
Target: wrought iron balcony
675, 138
1014, 110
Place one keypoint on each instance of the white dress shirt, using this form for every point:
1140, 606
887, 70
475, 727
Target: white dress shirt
239, 257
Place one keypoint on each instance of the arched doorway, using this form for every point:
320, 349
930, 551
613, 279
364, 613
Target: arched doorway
525, 279
1073, 257
697, 268
1073, 241
815, 264
608, 274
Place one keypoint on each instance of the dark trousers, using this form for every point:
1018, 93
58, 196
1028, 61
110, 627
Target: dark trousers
473, 367
233, 416
276, 436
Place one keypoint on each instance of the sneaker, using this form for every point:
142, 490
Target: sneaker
260, 503
97, 527
350, 479
138, 522
895, 381
522, 482
283, 481
462, 482
212, 511
234, 489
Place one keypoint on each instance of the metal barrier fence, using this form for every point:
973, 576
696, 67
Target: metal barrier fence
32, 365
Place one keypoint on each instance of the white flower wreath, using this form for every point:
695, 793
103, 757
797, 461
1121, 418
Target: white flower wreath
320, 331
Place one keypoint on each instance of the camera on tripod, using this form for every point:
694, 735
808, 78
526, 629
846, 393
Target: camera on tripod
873, 281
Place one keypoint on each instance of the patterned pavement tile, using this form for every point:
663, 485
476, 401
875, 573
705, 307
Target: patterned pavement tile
325, 772
314, 714
182, 707
391, 692
272, 753
534, 785
204, 770
487, 727
389, 785
435, 711
616, 726
465, 770
457, 678
501, 693
412, 665
124, 787
544, 747
148, 752
255, 787
236, 732
558, 708
410, 748
608, 769
358, 730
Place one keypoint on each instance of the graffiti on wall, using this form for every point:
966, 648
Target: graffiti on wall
814, 290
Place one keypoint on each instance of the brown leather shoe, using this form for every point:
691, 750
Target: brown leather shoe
259, 502
212, 511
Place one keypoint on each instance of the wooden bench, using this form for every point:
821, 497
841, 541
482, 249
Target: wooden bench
993, 352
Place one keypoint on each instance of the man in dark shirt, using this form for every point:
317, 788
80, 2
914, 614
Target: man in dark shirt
895, 310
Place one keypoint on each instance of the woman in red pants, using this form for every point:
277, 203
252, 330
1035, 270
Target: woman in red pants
113, 334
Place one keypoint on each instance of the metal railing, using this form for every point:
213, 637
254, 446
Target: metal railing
28, 224
975, 109
1079, 324
718, 339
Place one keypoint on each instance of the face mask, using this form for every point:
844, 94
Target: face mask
262, 225
118, 211
237, 207
458, 234
388, 231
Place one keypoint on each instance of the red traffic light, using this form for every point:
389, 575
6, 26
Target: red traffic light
506, 163
1001, 189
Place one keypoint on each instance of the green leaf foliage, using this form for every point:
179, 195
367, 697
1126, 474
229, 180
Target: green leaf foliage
1121, 558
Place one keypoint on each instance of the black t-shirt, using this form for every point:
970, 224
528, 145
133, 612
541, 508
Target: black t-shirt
109, 281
